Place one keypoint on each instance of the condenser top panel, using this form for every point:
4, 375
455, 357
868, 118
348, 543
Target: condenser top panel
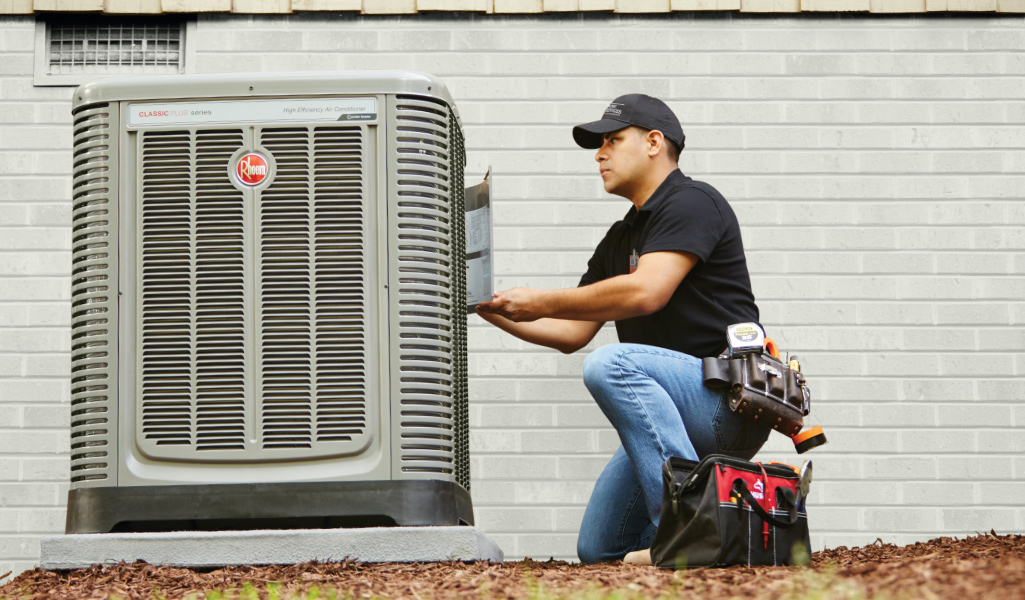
261, 85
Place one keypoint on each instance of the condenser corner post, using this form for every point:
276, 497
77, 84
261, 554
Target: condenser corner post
268, 303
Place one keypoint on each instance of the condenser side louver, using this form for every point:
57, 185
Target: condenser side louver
269, 292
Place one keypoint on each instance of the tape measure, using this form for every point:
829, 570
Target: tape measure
745, 338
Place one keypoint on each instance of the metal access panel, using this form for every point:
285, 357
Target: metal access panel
269, 282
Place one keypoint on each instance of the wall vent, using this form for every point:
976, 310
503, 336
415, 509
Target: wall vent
74, 49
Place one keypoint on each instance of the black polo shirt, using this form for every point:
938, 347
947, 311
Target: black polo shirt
682, 215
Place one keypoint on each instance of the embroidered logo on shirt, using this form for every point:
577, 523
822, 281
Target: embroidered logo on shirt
633, 261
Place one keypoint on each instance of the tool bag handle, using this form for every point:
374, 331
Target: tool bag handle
788, 494
696, 471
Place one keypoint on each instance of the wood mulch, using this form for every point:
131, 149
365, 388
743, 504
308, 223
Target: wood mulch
982, 566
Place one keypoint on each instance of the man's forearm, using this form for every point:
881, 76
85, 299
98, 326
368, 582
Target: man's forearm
613, 299
567, 337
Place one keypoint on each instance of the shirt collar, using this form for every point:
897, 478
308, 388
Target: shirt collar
659, 195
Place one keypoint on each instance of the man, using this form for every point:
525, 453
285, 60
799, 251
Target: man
672, 275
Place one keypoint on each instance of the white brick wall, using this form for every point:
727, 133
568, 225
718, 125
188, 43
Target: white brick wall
877, 166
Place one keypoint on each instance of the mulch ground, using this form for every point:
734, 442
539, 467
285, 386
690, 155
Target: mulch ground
983, 566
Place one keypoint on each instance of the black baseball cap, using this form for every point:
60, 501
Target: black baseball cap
632, 109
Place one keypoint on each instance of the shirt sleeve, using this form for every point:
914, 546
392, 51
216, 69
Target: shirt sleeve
688, 222
596, 269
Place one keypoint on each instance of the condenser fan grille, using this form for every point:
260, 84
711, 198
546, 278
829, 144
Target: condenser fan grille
93, 297
431, 272
311, 283
251, 367
193, 292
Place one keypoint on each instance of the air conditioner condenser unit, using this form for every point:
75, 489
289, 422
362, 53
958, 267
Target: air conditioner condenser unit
268, 303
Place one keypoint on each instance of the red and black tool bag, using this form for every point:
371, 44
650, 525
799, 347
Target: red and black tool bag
727, 511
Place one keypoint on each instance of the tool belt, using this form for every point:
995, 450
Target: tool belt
762, 388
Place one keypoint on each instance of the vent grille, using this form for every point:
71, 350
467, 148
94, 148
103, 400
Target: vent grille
253, 338
430, 300
312, 348
459, 350
89, 45
192, 289
93, 297
219, 283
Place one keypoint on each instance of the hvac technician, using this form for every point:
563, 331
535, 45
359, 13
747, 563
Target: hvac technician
673, 276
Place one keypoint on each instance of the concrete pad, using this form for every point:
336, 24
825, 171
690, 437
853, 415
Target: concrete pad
270, 547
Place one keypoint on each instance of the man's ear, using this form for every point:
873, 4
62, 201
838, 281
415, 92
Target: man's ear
656, 143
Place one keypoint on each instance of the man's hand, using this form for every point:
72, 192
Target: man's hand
518, 305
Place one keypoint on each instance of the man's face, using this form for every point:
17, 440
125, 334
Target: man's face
623, 160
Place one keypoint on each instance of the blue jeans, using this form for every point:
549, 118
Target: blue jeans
659, 405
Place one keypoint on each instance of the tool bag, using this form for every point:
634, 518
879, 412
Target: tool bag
727, 511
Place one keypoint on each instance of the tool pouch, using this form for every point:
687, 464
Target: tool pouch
762, 388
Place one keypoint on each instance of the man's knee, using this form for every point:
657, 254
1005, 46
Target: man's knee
587, 551
600, 365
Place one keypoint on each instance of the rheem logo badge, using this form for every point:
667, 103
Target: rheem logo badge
251, 169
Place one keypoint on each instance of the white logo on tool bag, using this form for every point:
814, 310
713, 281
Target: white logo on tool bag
759, 490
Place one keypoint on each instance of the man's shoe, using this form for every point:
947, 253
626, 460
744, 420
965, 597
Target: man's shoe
641, 558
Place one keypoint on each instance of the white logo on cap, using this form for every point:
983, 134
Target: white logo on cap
612, 110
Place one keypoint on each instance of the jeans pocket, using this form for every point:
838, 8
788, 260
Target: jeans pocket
737, 435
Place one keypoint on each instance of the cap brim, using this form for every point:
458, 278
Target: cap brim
589, 135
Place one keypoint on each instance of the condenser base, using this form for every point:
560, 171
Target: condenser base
254, 506
270, 547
